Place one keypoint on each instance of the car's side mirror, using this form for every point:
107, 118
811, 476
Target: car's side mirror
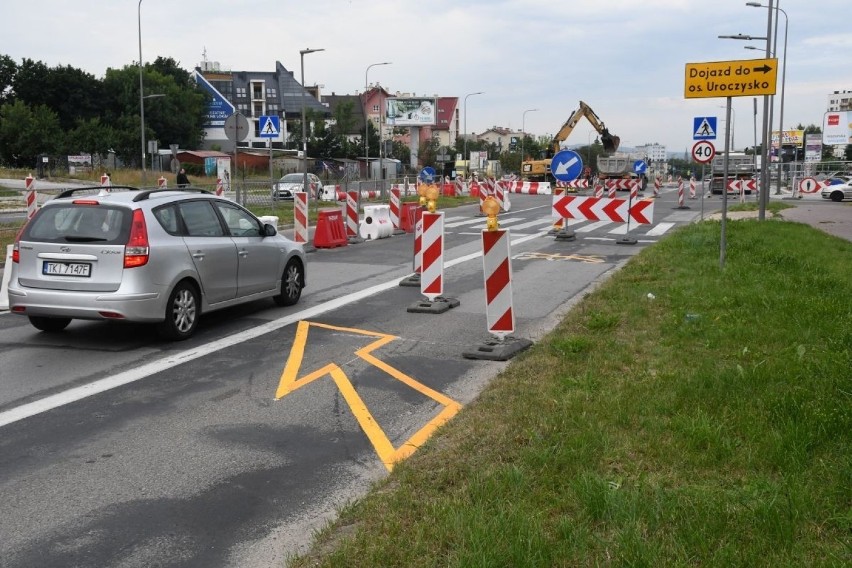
269, 230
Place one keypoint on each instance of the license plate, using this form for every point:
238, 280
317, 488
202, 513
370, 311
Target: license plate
82, 269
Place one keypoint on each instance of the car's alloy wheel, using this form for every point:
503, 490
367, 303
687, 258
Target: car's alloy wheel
182, 313
837, 196
292, 282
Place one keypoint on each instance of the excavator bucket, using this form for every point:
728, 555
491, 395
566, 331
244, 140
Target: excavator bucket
610, 142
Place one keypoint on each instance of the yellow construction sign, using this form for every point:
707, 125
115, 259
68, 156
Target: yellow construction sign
739, 78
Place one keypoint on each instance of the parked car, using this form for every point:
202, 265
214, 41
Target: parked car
838, 191
285, 187
160, 256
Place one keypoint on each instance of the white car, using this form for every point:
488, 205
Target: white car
838, 191
291, 183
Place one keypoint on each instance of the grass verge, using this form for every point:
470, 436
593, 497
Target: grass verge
708, 425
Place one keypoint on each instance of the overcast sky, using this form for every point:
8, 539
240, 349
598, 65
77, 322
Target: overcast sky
625, 58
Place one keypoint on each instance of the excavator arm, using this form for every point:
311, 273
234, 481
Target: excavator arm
610, 142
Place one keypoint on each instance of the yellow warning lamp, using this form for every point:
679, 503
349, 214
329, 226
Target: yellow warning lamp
421, 191
491, 207
432, 197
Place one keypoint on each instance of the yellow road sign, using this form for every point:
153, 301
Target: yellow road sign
739, 78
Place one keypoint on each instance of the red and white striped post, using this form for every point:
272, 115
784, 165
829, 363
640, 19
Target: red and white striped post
482, 190
742, 191
105, 182
220, 188
501, 195
658, 181
300, 217
558, 222
31, 196
634, 188
460, 189
497, 268
352, 215
432, 252
162, 183
611, 185
680, 191
395, 207
692, 187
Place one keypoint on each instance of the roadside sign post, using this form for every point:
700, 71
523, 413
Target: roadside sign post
566, 165
739, 78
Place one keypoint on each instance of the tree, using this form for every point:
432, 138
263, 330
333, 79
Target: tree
71, 93
25, 133
90, 137
8, 69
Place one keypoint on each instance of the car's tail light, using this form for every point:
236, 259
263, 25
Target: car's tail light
136, 250
16, 248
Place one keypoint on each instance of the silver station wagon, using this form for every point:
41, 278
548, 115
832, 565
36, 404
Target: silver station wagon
158, 256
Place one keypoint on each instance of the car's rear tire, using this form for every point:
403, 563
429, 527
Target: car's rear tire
837, 196
182, 312
292, 282
49, 325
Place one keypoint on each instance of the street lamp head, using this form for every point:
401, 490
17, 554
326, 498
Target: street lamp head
741, 36
309, 50
755, 5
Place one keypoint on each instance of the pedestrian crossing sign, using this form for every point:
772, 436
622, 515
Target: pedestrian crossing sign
704, 128
270, 126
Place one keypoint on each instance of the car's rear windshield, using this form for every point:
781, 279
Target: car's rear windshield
293, 178
75, 223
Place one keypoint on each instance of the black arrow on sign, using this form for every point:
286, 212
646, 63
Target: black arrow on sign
765, 68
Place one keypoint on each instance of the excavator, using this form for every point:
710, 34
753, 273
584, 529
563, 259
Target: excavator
539, 170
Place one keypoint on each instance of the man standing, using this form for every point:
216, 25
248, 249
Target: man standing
182, 180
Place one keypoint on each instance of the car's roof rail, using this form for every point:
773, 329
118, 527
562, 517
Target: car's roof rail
71, 191
145, 194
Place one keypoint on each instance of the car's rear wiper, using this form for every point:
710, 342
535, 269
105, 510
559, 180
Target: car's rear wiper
71, 239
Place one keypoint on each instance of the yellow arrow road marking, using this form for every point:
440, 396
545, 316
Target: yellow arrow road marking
290, 381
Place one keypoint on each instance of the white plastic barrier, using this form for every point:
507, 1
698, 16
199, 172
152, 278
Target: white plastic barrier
376, 223
7, 275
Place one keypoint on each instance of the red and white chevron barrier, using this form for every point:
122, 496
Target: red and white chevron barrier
300, 217
741, 185
31, 196
603, 209
574, 184
432, 273
620, 183
395, 205
529, 187
352, 215
497, 267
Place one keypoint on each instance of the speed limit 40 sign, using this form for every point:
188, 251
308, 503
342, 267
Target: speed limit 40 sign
703, 151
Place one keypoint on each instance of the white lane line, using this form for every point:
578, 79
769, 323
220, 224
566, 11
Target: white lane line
659, 229
593, 226
138, 373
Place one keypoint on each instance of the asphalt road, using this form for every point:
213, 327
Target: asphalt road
117, 449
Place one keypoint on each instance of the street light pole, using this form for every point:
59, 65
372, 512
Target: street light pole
302, 54
778, 8
764, 151
141, 92
367, 118
464, 156
523, 129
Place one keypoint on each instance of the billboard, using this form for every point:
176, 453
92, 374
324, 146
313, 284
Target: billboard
791, 138
220, 108
410, 111
837, 128
813, 147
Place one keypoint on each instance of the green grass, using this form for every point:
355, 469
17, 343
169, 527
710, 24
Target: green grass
709, 426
